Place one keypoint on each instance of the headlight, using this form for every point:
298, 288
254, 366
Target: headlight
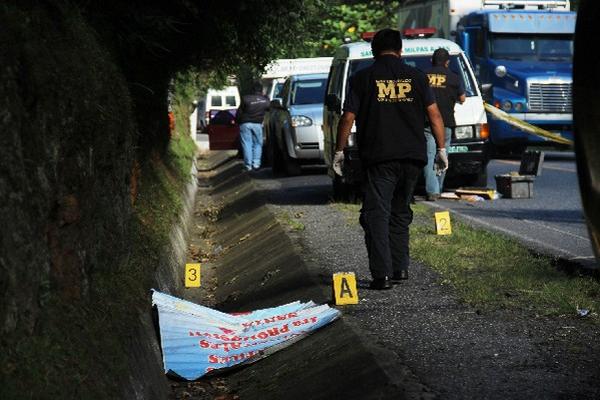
301, 120
463, 132
518, 107
500, 71
506, 105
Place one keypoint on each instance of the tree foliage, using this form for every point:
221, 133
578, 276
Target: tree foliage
340, 22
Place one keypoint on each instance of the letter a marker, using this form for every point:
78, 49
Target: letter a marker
192, 275
344, 288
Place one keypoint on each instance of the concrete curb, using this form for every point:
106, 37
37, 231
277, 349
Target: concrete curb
147, 378
259, 266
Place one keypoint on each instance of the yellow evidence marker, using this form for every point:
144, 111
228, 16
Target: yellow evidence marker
442, 223
344, 288
192, 275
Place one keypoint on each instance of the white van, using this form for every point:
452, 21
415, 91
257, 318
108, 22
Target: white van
469, 148
278, 70
214, 101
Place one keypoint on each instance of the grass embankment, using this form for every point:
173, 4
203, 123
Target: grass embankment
291, 221
490, 270
83, 349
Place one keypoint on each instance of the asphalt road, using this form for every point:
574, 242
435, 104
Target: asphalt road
453, 350
551, 222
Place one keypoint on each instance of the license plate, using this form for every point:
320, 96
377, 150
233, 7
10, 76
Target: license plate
458, 149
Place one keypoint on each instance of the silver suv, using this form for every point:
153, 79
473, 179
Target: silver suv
293, 125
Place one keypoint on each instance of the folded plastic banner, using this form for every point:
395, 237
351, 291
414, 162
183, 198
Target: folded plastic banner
196, 340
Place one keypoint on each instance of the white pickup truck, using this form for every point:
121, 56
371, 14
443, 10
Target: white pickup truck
469, 150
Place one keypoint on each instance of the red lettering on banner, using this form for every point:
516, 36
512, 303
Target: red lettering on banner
213, 359
270, 320
305, 321
274, 331
215, 346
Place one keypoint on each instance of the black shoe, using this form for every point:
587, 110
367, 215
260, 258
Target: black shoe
432, 196
400, 276
381, 284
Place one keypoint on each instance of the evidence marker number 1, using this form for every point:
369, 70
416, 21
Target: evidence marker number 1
192, 275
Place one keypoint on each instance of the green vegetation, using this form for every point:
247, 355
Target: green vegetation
343, 21
292, 221
489, 270
82, 349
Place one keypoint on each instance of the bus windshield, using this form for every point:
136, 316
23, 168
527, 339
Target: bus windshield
423, 63
540, 47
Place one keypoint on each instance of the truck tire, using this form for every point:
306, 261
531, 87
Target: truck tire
345, 193
275, 155
507, 151
266, 155
291, 166
479, 179
468, 180
586, 116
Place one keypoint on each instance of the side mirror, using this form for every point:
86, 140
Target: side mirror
276, 103
333, 102
486, 91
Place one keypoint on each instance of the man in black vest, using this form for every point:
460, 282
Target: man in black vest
389, 102
448, 90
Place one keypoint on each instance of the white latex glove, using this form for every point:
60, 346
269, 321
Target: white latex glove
338, 162
440, 164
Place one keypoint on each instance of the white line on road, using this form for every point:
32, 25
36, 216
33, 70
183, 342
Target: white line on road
551, 167
520, 236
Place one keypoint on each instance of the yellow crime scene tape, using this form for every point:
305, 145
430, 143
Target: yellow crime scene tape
524, 126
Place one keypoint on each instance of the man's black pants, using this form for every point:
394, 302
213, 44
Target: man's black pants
386, 214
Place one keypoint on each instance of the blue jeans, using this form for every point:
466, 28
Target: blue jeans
434, 183
251, 138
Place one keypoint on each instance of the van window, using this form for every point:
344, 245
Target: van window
457, 65
277, 90
477, 42
337, 78
285, 92
230, 101
216, 101
339, 82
